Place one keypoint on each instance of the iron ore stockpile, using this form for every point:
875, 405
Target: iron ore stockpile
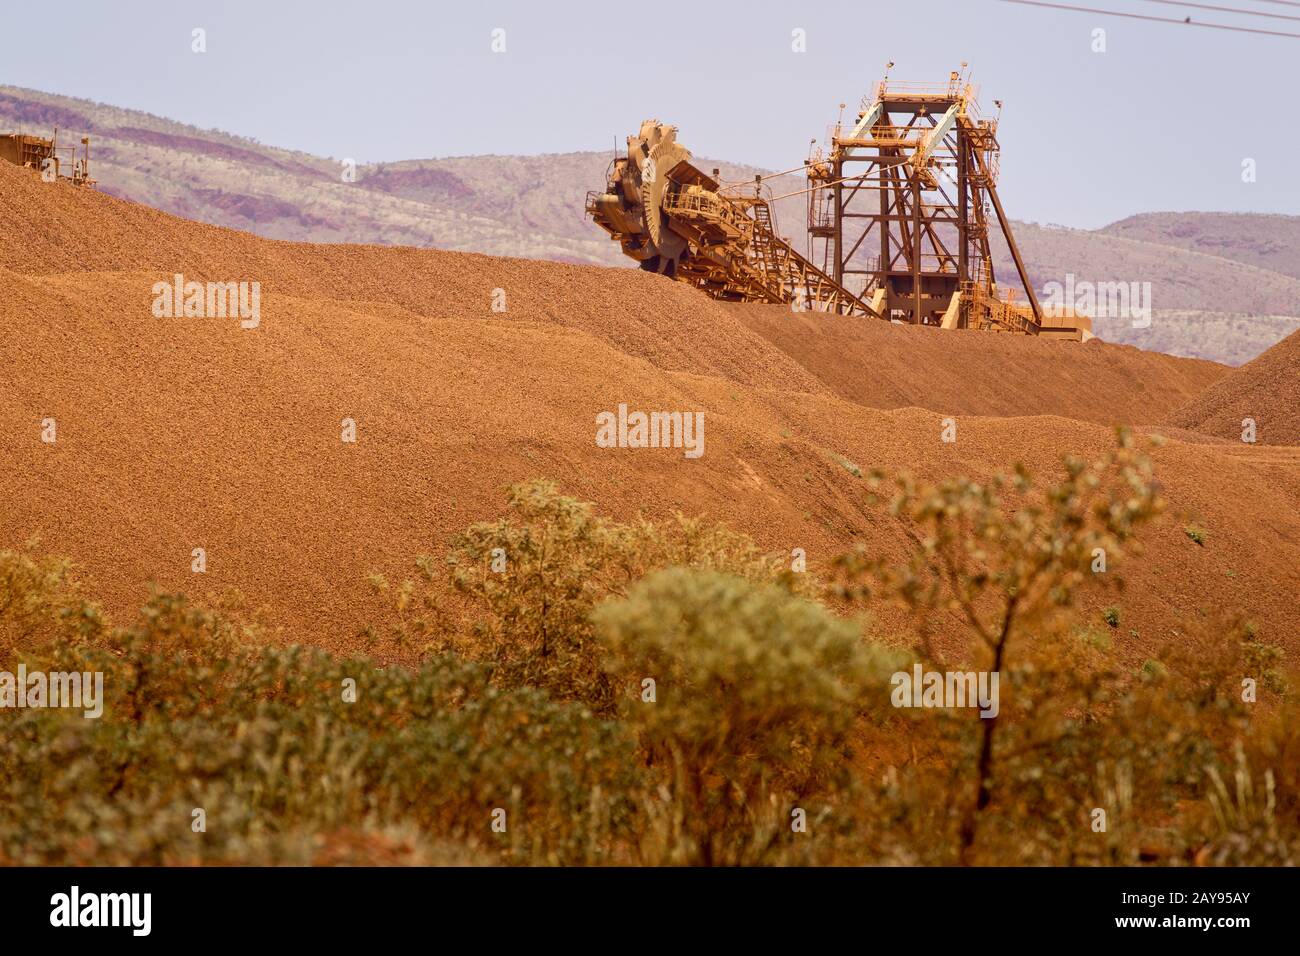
1265, 391
176, 429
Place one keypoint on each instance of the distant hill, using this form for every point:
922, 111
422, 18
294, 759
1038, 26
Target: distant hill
1222, 286
1270, 242
530, 206
1202, 306
1228, 337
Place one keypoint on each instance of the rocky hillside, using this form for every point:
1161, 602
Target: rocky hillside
1270, 242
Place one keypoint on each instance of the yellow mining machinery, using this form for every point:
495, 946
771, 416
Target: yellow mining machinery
899, 207
43, 155
676, 220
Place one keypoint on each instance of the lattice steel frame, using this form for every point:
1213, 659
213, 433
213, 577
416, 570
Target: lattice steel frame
914, 180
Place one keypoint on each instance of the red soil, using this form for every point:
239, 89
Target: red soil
1266, 390
187, 432
885, 365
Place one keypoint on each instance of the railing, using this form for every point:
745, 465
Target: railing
932, 263
821, 211
904, 88
989, 311
900, 136
700, 204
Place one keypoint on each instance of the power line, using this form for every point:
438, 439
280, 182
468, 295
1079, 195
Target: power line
1189, 22
1206, 6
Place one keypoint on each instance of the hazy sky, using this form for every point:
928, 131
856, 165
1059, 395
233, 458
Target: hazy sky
1160, 121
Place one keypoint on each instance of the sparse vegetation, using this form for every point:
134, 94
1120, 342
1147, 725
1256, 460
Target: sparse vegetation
538, 573
755, 697
849, 466
665, 693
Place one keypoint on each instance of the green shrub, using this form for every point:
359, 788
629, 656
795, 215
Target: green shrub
263, 741
849, 466
757, 693
539, 572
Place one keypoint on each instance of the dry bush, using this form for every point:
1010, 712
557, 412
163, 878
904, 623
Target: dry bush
757, 694
1080, 734
41, 602
1076, 734
1007, 573
537, 574
263, 741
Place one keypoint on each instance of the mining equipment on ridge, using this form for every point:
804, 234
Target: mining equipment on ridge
42, 155
900, 205
675, 220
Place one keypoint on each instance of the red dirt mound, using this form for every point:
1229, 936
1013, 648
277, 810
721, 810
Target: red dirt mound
886, 365
177, 433
1265, 390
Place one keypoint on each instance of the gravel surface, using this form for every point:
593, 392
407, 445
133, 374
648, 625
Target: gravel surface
1265, 390
177, 433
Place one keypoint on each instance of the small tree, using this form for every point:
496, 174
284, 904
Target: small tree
1005, 573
